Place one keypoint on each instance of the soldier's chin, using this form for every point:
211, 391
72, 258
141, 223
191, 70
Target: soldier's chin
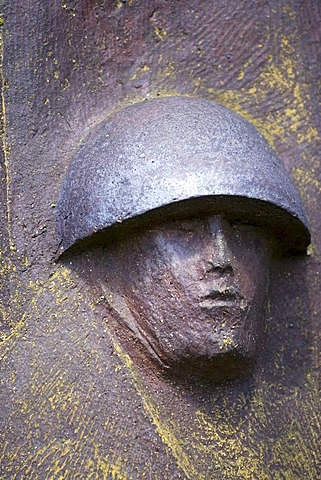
217, 366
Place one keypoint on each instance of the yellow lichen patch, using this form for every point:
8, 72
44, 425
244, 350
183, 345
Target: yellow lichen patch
309, 185
310, 250
65, 84
122, 3
287, 9
57, 283
244, 69
282, 79
276, 79
140, 71
111, 470
241, 75
54, 399
169, 70
235, 438
166, 429
161, 33
235, 100
197, 82
306, 178
165, 74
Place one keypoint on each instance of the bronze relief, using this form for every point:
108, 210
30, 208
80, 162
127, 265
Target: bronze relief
172, 210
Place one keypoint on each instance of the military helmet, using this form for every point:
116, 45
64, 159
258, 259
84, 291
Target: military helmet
176, 156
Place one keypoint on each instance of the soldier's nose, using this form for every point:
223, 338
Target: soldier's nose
220, 258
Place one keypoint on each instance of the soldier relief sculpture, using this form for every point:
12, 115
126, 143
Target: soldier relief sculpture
172, 210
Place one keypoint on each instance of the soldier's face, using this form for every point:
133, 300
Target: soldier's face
196, 290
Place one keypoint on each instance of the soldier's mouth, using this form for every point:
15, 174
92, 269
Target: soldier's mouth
220, 298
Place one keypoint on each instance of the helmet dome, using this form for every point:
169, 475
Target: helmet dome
174, 156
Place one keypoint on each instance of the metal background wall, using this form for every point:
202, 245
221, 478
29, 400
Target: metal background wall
73, 405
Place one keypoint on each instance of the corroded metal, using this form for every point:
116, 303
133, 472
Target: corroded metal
184, 154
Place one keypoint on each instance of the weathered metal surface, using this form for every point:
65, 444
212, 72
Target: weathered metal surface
165, 151
73, 404
187, 298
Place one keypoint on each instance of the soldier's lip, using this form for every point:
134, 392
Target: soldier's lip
226, 294
220, 298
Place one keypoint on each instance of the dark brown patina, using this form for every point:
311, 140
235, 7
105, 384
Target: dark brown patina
190, 295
